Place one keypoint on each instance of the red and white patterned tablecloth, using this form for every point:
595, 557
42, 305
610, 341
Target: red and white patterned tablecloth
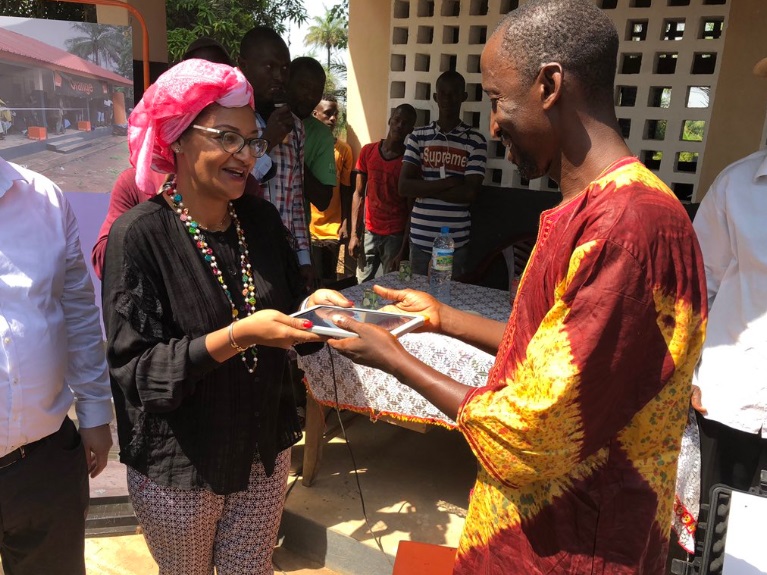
373, 392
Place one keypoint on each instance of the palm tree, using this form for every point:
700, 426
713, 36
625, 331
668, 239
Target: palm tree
328, 32
102, 44
45, 9
336, 78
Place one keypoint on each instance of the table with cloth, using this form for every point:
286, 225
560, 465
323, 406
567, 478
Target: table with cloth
373, 392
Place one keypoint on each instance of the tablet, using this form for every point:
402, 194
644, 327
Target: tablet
320, 315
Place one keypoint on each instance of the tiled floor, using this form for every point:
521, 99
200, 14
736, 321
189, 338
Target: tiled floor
128, 555
415, 487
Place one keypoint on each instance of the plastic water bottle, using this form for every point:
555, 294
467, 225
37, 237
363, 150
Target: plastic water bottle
441, 266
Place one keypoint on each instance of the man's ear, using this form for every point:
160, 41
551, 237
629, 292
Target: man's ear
550, 79
242, 64
434, 96
465, 97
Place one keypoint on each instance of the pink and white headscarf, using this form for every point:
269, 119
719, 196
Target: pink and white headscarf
169, 107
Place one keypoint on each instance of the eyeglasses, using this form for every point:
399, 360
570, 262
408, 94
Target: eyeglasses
232, 142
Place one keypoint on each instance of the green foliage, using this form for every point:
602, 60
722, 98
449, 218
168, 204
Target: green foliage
335, 79
225, 20
102, 44
665, 100
693, 130
107, 46
125, 64
658, 130
328, 32
341, 12
49, 10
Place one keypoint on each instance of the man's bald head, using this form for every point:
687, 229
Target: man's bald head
574, 33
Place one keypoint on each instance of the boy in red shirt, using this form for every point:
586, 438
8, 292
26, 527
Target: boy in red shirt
385, 212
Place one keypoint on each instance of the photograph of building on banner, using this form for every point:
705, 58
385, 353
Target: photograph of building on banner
66, 89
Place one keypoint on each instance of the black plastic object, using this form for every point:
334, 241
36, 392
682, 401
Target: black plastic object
712, 525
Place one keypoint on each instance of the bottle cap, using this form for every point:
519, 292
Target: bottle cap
445, 230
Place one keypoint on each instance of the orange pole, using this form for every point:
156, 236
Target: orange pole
144, 33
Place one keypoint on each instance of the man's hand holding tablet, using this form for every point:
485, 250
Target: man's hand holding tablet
377, 347
411, 301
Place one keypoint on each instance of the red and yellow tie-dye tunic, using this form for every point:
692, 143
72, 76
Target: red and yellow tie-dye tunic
578, 430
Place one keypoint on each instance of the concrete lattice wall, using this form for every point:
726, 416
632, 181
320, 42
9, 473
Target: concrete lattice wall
667, 74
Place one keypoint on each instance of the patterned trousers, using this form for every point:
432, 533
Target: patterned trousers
188, 531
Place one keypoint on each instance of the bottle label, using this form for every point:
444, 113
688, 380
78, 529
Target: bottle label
442, 259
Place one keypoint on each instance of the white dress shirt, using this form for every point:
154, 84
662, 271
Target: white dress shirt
731, 225
51, 345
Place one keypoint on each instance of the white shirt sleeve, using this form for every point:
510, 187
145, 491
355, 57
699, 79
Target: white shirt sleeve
713, 233
86, 373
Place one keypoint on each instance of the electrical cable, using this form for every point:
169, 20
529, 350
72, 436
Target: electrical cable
351, 454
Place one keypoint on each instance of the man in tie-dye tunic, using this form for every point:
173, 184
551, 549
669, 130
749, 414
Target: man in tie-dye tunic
579, 426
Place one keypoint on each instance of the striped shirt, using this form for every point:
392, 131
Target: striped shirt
286, 189
460, 152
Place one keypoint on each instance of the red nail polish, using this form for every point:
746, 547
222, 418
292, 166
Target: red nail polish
307, 324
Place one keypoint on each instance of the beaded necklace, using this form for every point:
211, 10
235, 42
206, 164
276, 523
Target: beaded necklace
249, 288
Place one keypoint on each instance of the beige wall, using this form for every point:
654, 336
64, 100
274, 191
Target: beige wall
368, 71
153, 12
738, 115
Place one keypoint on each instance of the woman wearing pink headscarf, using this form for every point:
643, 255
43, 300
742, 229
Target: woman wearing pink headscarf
197, 282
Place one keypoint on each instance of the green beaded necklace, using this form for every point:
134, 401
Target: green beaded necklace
249, 288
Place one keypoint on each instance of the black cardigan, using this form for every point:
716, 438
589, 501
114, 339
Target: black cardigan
184, 419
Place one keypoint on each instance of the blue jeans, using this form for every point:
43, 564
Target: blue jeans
377, 255
419, 260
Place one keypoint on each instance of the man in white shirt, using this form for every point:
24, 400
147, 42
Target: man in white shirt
730, 382
51, 352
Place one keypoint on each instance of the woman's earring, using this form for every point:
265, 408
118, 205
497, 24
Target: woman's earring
176, 148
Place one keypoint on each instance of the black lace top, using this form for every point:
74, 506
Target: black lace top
184, 419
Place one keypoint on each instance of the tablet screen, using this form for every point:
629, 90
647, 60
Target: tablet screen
320, 317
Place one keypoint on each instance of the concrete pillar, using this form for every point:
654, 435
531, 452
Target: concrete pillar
368, 71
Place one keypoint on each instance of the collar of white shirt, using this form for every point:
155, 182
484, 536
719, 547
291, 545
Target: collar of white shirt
761, 171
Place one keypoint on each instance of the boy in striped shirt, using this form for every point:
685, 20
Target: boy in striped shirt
442, 172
